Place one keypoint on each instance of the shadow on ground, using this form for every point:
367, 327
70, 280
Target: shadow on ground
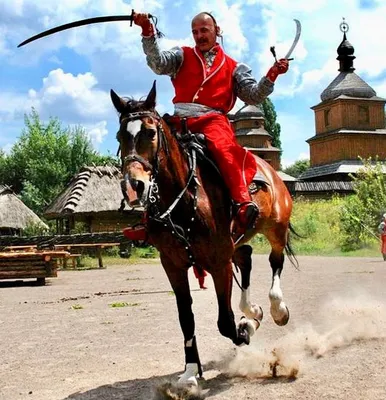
144, 389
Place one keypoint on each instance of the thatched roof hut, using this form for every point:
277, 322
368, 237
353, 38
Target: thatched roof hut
93, 197
14, 214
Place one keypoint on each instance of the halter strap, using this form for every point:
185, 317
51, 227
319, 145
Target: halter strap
137, 115
140, 159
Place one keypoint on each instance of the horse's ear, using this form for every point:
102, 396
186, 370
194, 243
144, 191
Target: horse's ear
151, 97
118, 102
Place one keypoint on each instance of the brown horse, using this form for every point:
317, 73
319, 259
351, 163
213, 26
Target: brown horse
189, 217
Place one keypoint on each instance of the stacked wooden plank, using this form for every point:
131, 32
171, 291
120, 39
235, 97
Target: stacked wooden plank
30, 264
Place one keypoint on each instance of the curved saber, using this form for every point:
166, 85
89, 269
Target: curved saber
296, 40
75, 24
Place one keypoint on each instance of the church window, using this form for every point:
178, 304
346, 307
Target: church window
363, 114
327, 117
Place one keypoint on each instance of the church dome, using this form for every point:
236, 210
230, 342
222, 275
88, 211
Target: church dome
347, 83
249, 112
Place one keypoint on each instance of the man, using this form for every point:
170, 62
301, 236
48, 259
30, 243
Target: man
382, 231
207, 83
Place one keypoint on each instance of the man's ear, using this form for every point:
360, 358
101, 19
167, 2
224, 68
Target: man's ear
218, 31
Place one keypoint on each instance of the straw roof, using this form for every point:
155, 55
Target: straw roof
92, 190
14, 213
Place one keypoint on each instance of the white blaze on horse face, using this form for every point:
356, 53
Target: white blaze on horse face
134, 127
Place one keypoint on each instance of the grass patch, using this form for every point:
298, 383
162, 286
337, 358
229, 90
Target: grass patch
76, 307
318, 222
123, 304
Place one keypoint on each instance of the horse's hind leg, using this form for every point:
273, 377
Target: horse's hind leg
242, 258
279, 310
178, 278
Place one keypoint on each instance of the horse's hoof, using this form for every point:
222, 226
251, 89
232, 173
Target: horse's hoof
243, 336
189, 376
284, 320
259, 314
190, 381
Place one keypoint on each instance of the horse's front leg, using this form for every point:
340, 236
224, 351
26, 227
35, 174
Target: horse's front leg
222, 278
178, 278
279, 310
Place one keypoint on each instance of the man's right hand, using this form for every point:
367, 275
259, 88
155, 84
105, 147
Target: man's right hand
144, 22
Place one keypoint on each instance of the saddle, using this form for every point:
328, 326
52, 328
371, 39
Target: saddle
189, 140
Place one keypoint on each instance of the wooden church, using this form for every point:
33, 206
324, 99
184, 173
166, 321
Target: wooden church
349, 124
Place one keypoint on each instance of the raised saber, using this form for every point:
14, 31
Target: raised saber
296, 40
75, 24
294, 43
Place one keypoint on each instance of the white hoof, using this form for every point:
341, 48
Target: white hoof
251, 325
189, 377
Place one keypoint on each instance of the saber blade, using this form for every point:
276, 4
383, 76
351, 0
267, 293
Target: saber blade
296, 40
88, 21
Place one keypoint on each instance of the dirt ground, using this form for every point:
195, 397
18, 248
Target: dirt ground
66, 340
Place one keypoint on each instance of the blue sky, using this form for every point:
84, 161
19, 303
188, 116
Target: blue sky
69, 75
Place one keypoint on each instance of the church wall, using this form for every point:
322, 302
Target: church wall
248, 124
328, 117
347, 147
253, 141
272, 158
350, 114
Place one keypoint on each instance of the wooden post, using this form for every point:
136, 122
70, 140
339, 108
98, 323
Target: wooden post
99, 254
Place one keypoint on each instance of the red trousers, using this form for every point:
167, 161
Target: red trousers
236, 164
383, 244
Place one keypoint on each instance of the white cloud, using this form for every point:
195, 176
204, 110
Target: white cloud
71, 98
229, 19
96, 132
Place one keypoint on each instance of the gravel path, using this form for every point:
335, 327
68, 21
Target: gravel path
66, 340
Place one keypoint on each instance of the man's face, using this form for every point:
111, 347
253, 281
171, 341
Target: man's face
204, 32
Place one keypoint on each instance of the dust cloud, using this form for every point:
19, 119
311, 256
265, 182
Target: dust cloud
341, 322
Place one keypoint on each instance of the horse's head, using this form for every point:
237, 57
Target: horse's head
138, 136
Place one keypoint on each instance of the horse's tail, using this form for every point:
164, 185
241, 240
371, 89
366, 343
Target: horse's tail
288, 248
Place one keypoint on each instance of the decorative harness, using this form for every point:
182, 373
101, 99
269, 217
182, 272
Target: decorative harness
191, 147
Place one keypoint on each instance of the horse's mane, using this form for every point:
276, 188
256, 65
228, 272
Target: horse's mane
132, 105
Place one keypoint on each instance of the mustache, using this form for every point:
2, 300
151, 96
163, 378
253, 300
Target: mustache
202, 41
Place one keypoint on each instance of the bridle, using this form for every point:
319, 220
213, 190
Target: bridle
136, 157
153, 203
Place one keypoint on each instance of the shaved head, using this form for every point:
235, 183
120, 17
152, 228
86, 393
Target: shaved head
203, 16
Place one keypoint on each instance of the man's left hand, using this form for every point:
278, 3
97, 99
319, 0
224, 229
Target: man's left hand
280, 67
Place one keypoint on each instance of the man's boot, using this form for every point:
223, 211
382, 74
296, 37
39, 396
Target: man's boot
244, 220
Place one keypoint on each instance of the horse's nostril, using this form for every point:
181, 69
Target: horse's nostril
134, 183
140, 188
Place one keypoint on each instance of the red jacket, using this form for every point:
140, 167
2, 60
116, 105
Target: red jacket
193, 85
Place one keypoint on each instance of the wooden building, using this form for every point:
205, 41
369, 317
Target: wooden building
15, 216
248, 124
92, 198
349, 123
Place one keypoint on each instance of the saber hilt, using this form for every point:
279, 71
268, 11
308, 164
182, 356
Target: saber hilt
273, 51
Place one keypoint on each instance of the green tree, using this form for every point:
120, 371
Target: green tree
362, 211
271, 126
297, 168
3, 163
44, 158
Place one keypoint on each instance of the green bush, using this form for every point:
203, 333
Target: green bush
323, 229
